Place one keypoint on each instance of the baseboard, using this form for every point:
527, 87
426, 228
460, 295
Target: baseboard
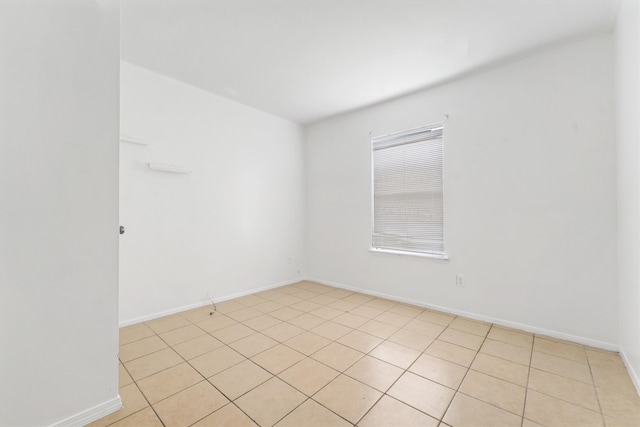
502, 322
632, 373
91, 414
204, 303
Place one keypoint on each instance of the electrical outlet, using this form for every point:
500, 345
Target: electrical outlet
460, 280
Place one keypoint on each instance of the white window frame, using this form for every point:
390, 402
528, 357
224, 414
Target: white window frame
399, 136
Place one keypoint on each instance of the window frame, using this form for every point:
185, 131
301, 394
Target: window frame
395, 251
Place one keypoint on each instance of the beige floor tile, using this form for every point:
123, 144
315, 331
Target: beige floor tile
436, 317
615, 422
198, 314
229, 306
306, 306
311, 414
143, 418
165, 324
282, 331
463, 339
197, 346
406, 310
494, 391
168, 382
339, 293
123, 376
466, 411
289, 300
278, 358
270, 402
227, 416
309, 376
390, 412
286, 313
374, 373
564, 388
216, 322
359, 298
511, 336
331, 330
561, 366
360, 341
141, 348
262, 322
244, 314
190, 405
268, 306
321, 300
378, 329
471, 326
506, 351
395, 354
439, 370
350, 320
239, 379
304, 294
424, 328
366, 311
608, 359
216, 361
348, 398
451, 352
550, 411
133, 333
556, 348
152, 363
132, 402
307, 343
501, 368
623, 407
529, 423
343, 305
337, 356
232, 333
423, 394
250, 300
381, 303
393, 319
253, 344
613, 378
326, 313
411, 339
182, 334
306, 321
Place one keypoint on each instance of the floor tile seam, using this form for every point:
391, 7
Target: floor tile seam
599, 411
496, 377
187, 340
298, 389
595, 390
562, 357
526, 391
457, 389
471, 333
247, 391
555, 373
148, 354
134, 341
145, 398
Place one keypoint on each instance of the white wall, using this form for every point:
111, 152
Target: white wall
627, 43
235, 224
58, 211
530, 195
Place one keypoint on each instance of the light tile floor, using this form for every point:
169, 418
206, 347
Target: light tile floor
313, 355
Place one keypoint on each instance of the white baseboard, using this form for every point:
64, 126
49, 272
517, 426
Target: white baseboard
534, 329
632, 373
91, 414
204, 303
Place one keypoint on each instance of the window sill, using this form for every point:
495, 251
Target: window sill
412, 254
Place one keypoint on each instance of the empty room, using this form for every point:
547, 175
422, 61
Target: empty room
319, 213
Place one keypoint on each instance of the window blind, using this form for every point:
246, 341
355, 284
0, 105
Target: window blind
408, 208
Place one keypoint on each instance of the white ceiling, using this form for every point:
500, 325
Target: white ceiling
305, 60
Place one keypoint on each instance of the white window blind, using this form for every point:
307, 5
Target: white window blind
408, 212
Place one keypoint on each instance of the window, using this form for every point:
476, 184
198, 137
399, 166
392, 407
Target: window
408, 212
